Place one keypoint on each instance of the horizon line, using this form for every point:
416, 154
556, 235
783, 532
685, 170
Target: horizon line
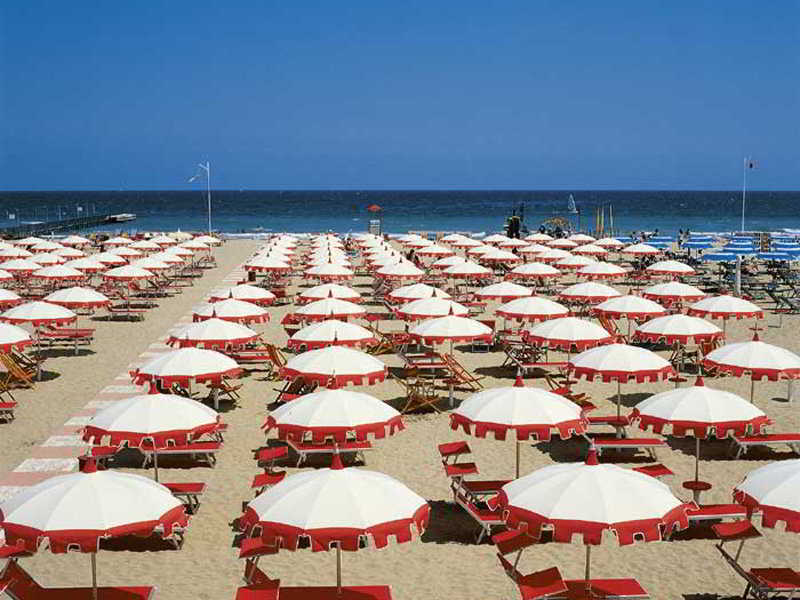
379, 190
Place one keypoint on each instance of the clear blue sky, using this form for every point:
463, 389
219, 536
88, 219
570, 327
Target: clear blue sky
375, 94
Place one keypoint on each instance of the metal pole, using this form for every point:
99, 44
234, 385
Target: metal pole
516, 443
696, 458
744, 188
339, 569
587, 576
94, 575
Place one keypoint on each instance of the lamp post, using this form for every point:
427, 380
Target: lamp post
207, 169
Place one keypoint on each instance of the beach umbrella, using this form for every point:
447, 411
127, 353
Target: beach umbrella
641, 250
117, 241
415, 292
477, 251
106, 258
631, 307
166, 257
78, 297
532, 309
151, 264
5, 275
621, 363
336, 508
233, 310
588, 293
567, 334
184, 366
448, 261
725, 307
465, 242
562, 243
602, 270
58, 273
503, 291
534, 270
195, 245
452, 237
700, 411
467, 270
45, 246
755, 358
670, 267
598, 498
334, 414
574, 262
145, 245
513, 243
13, 338
7, 254
151, 421
245, 293
434, 250
532, 250
330, 308
88, 264
267, 264
128, 273
581, 238
163, 241
451, 329
402, 271
47, 259
538, 237
178, 251
19, 267
590, 250
680, 329
29, 241
497, 256
331, 332
69, 253
9, 298
496, 239
525, 412
38, 313
330, 272
75, 240
673, 291
611, 243
212, 334
126, 252
209, 240
78, 510
552, 255
772, 491
428, 308
337, 366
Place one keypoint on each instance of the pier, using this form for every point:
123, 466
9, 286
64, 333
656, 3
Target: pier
63, 225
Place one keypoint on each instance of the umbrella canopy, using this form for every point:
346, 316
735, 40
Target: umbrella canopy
236, 311
270, 264
467, 270
678, 328
532, 249
434, 250
117, 241
5, 275
47, 259
620, 362
88, 264
38, 313
772, 489
59, 273
673, 291
330, 290
45, 246
107, 258
532, 309
126, 252
331, 332
538, 237
575, 262
452, 329
146, 245
336, 365
631, 307
581, 238
330, 308
428, 308
725, 307
534, 270
670, 267
415, 292
212, 334
568, 334
21, 266
128, 273
186, 365
400, 271
589, 292
611, 243
13, 337
245, 293
75, 240
337, 414
9, 298
591, 250
552, 255
495, 238
69, 253
151, 419
640, 250
78, 297
562, 243
602, 270
448, 261
756, 358
80, 509
503, 291
330, 272
497, 256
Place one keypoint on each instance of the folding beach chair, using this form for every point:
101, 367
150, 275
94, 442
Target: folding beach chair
17, 374
459, 376
420, 393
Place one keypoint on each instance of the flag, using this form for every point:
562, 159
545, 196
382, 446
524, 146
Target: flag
749, 163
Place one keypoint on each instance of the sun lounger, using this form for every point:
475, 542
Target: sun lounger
7, 411
648, 444
17, 374
459, 376
480, 488
742, 444
716, 512
17, 583
305, 449
485, 517
619, 423
264, 480
541, 584
450, 453
74, 336
124, 312
187, 492
657, 470
294, 388
205, 451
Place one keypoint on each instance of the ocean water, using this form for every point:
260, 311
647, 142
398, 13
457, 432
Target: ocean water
343, 211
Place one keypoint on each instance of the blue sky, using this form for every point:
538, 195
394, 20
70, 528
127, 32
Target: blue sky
437, 95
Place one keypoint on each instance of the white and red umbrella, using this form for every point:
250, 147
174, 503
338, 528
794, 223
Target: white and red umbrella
195, 245
126, 252
58, 273
503, 291
151, 263
725, 307
611, 243
237, 311
45, 246
497, 256
538, 237
178, 251
117, 241
602, 270
532, 250
69, 253
267, 264
416, 291
525, 412
772, 490
209, 240
13, 338
532, 309
163, 241
38, 313
335, 365
212, 334
429, 308
330, 308
496, 238
20, 267
448, 261
128, 273
700, 411
245, 293
106, 258
434, 250
330, 272
402, 271
336, 414
513, 243
534, 270
678, 328
589, 292
9, 298
336, 508
621, 363
641, 250
574, 262
670, 267
568, 334
755, 358
330, 290
75, 240
581, 238
552, 255
630, 307
184, 366
590, 250
331, 332
145, 246
8, 253
451, 329
78, 297
47, 259
673, 291
5, 275
467, 270
562, 243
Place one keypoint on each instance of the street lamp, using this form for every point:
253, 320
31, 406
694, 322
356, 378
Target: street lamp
207, 169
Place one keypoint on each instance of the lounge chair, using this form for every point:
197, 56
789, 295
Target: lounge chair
17, 375
650, 445
740, 444
187, 492
266, 458
225, 389
70, 336
656, 471
581, 399
451, 453
7, 411
459, 376
306, 449
420, 393
486, 517
206, 451
294, 388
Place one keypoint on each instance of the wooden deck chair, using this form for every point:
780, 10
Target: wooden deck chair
16, 374
293, 388
558, 387
276, 359
458, 375
611, 327
419, 392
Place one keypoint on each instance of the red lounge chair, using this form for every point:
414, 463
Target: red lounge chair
261, 587
450, 453
648, 444
542, 584
304, 449
187, 492
657, 470
619, 423
7, 411
484, 516
742, 443
19, 585
264, 480
204, 450
761, 583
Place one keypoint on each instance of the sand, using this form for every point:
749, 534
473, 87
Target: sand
446, 562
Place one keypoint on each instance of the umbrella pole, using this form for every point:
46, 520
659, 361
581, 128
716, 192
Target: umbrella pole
155, 460
94, 575
338, 569
587, 572
516, 443
619, 397
752, 388
696, 458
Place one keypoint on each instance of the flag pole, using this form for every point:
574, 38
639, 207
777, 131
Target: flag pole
744, 188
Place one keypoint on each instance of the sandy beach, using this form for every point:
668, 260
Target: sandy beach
446, 562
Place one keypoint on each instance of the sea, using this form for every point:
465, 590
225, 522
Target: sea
244, 211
